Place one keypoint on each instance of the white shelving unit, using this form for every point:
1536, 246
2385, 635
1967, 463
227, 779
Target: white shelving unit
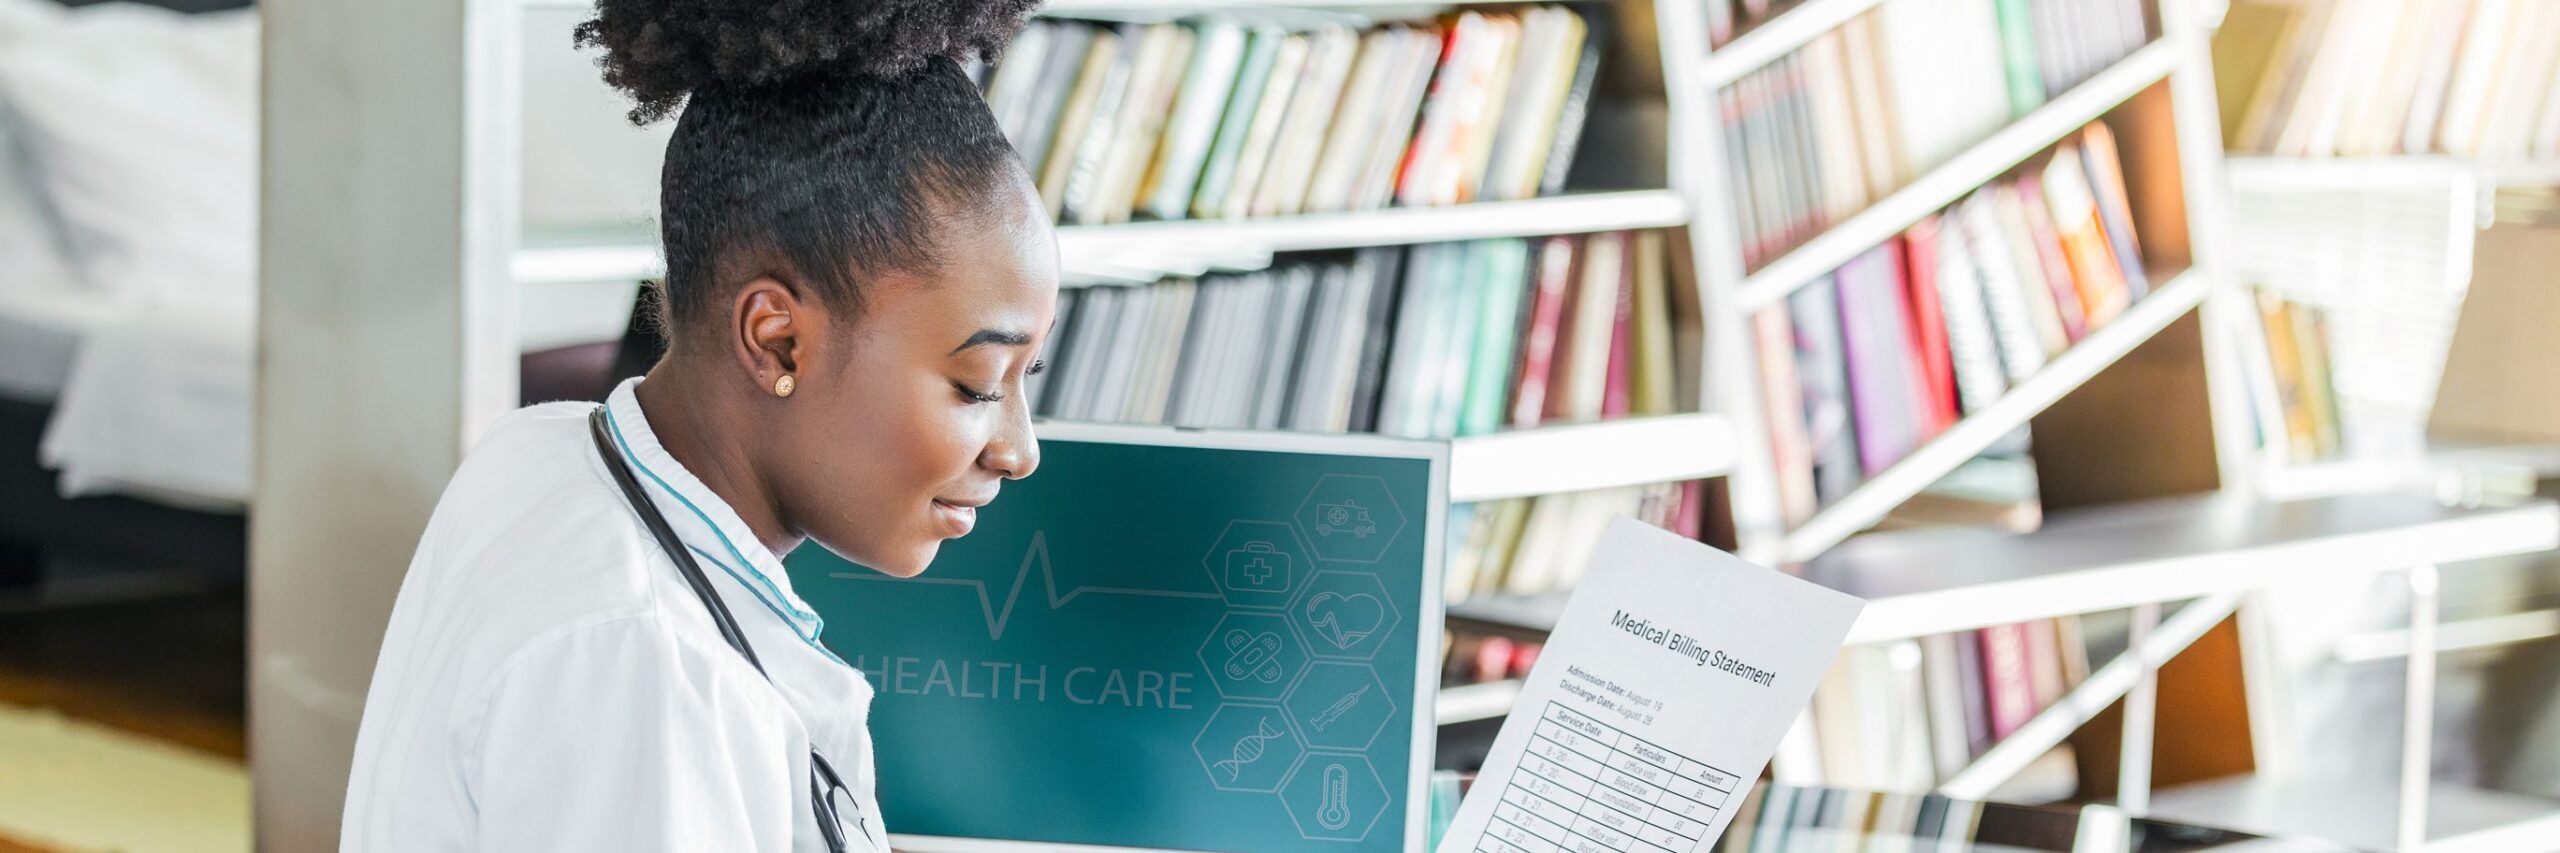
2206, 553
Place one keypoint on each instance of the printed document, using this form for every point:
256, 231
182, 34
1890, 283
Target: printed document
1667, 683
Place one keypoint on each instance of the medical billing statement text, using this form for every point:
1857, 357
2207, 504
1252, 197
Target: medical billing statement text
1667, 683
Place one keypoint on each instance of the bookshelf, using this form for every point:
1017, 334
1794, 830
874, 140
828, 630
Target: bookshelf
2160, 100
1863, 507
1942, 186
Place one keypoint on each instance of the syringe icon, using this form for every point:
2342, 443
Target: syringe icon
1339, 707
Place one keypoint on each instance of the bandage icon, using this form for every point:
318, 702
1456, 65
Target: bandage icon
1253, 656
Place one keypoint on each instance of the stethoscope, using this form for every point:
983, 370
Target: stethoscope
824, 785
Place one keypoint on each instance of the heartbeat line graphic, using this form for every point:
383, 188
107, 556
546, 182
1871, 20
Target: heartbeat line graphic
1038, 555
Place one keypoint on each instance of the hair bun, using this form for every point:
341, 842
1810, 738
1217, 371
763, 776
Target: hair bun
660, 51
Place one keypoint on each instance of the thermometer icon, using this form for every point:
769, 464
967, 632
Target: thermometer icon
1335, 812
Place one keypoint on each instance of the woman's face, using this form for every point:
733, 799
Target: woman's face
918, 416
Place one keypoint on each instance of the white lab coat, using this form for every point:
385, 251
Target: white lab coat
549, 683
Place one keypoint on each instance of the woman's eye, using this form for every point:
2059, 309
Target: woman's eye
1037, 367
976, 396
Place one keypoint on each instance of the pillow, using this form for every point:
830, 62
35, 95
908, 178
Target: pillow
31, 243
138, 126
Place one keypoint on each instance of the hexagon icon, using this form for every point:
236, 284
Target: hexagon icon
1350, 518
1339, 705
1257, 563
1334, 796
1246, 748
1252, 655
1344, 615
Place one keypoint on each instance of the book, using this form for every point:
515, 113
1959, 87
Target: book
2008, 686
1783, 405
1381, 268
1297, 143
1931, 359
2006, 295
1076, 117
1886, 407
1556, 266
1822, 371
1488, 376
1207, 87
1264, 52
1579, 390
1973, 350
2094, 274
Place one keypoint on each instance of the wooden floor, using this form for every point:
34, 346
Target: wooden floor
171, 670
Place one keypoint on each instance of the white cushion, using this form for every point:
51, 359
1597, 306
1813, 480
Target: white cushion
139, 127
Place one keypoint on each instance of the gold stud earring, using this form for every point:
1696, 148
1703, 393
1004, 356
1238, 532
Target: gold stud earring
784, 386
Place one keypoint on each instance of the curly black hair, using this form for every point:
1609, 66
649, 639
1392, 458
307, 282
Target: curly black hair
819, 141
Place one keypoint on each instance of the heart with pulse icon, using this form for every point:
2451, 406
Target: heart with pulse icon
1345, 620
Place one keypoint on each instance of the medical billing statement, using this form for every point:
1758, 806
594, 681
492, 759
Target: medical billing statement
1667, 683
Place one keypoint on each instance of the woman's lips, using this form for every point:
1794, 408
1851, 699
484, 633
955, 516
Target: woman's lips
957, 519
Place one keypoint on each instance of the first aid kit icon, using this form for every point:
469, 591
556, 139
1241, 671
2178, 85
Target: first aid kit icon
1257, 566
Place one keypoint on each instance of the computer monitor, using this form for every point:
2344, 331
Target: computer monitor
1163, 640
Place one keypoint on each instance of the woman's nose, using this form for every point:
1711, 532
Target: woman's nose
1014, 451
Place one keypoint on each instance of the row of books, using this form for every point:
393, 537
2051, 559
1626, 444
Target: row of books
1436, 340
2296, 402
1864, 364
1474, 658
1216, 118
2357, 79
1817, 135
1526, 546
1907, 716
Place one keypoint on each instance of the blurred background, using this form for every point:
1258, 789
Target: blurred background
2172, 376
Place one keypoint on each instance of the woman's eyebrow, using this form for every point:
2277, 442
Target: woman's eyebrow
993, 336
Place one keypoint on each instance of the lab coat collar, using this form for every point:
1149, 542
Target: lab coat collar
707, 524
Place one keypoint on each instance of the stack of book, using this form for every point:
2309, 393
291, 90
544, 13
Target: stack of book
2357, 79
1474, 658
1217, 118
2296, 407
1853, 115
1908, 716
1431, 341
1527, 546
1863, 365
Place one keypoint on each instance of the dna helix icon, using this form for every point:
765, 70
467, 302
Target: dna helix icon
1248, 749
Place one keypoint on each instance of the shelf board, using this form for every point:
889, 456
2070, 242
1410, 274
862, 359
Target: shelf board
1192, 246
1923, 582
1959, 176
2268, 172
1467, 703
1580, 457
1871, 500
2362, 813
1140, 252
1777, 37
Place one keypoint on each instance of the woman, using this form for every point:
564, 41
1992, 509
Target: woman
858, 275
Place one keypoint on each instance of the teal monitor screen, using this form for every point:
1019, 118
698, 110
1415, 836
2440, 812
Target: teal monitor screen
1162, 639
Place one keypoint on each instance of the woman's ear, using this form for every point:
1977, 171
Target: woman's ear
769, 330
